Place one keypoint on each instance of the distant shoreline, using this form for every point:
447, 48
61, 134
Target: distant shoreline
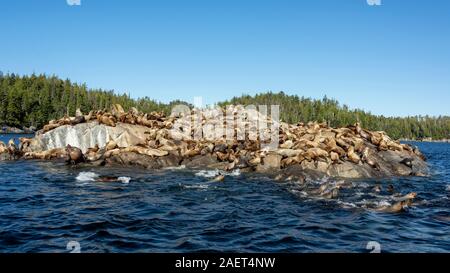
6, 130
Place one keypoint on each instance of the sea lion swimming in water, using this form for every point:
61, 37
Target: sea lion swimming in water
219, 178
409, 196
107, 179
377, 188
331, 194
397, 207
390, 189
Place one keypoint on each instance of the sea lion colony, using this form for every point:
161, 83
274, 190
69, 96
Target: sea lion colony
301, 144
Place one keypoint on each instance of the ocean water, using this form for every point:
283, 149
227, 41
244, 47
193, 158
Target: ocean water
51, 207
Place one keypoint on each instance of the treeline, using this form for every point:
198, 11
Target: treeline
27, 101
36, 99
294, 109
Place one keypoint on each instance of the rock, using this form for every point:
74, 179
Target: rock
271, 161
350, 170
144, 161
152, 140
88, 135
202, 162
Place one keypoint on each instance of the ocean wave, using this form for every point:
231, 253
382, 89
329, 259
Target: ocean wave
87, 176
92, 177
214, 173
124, 179
199, 186
181, 167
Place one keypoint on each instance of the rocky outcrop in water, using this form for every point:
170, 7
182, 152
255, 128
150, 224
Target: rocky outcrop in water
14, 130
151, 141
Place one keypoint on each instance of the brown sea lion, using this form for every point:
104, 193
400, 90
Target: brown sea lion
396, 208
24, 143
390, 189
146, 151
78, 113
89, 116
352, 155
219, 178
3, 148
334, 156
409, 196
74, 155
111, 145
331, 194
78, 120
107, 120
49, 127
12, 148
107, 179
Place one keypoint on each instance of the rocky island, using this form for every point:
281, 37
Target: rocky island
133, 138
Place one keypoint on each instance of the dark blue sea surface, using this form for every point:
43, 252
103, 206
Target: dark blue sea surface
46, 205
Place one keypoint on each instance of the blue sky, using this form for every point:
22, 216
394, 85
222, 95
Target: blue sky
392, 59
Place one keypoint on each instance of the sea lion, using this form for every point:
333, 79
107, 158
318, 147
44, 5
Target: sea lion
112, 152
146, 151
255, 161
89, 116
50, 127
3, 148
92, 154
12, 148
407, 162
111, 145
107, 120
47, 155
315, 153
331, 194
409, 196
377, 188
24, 143
117, 110
419, 154
390, 189
94, 149
279, 177
396, 208
334, 156
219, 178
352, 155
74, 155
78, 113
78, 120
107, 179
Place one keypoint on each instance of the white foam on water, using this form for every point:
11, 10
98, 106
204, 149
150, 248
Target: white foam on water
447, 188
87, 176
363, 185
208, 173
214, 173
124, 179
181, 167
200, 186
383, 203
347, 204
236, 172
